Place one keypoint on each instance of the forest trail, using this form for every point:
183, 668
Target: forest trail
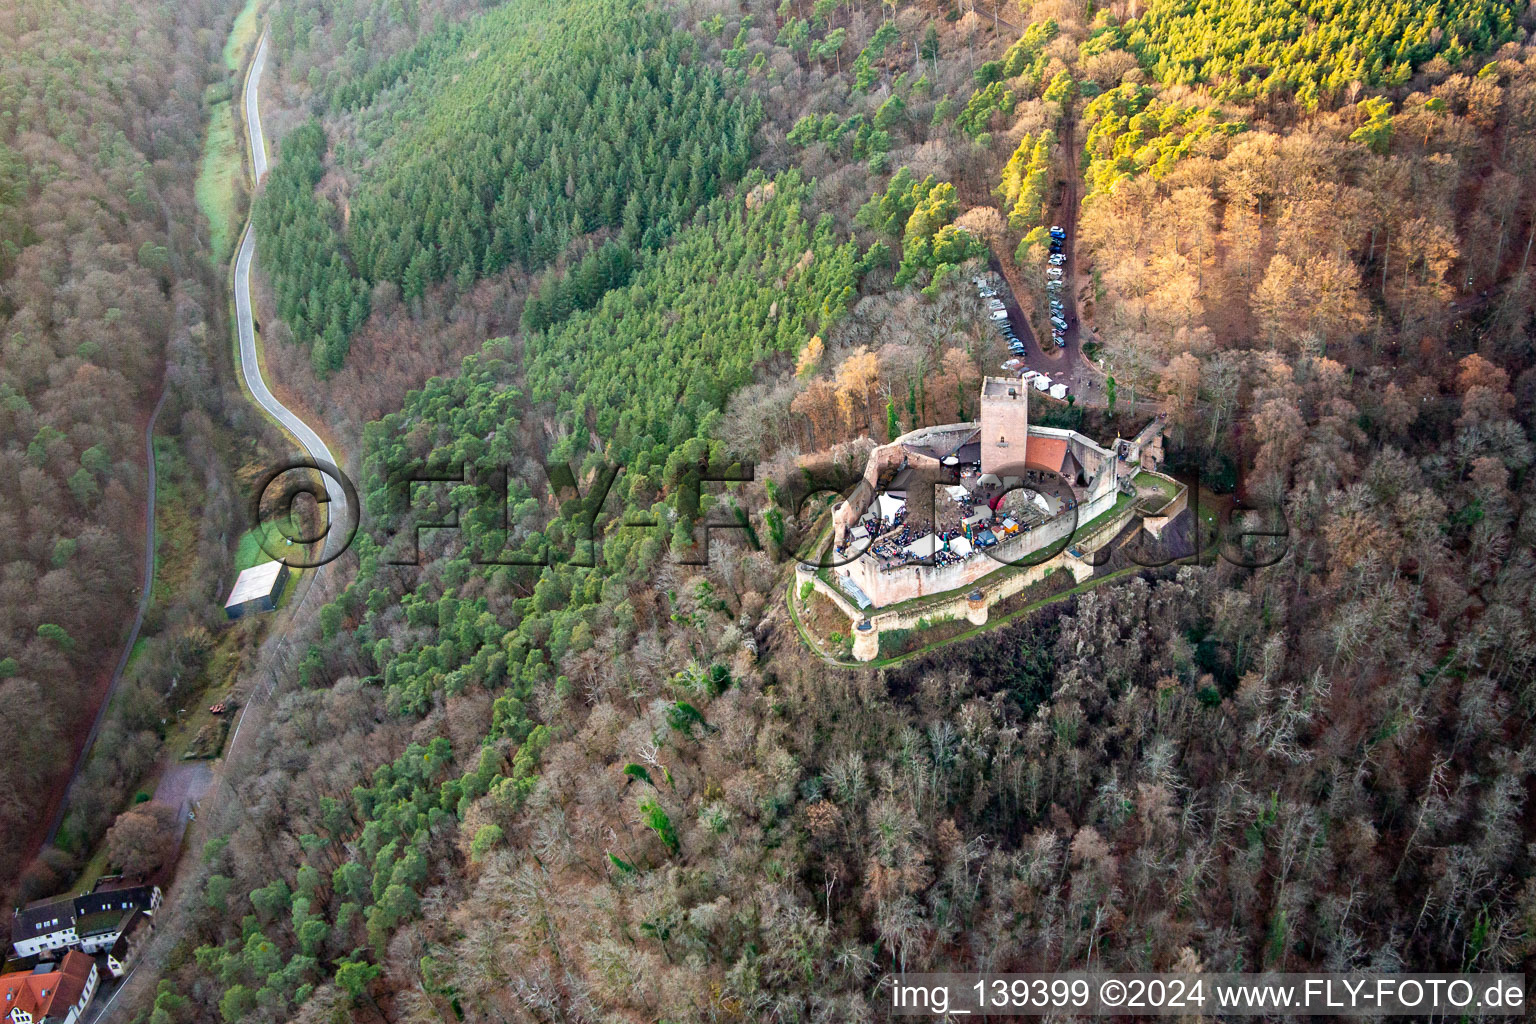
146, 588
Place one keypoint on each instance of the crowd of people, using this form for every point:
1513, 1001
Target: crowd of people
895, 533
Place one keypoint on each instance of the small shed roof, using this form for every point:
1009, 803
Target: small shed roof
255, 582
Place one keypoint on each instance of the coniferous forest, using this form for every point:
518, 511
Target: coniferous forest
593, 299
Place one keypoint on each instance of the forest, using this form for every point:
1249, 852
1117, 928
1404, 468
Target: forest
549, 746
103, 295
620, 131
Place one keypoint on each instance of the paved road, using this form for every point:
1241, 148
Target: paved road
250, 367
146, 589
185, 785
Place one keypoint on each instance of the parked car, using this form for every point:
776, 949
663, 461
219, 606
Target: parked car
1057, 259
1054, 273
999, 314
1061, 341
1057, 231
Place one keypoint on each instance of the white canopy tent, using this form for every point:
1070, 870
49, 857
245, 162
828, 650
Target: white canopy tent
924, 547
1042, 383
960, 546
956, 492
886, 506
1058, 391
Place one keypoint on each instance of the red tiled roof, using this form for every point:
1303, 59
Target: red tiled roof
1046, 453
35, 994
74, 973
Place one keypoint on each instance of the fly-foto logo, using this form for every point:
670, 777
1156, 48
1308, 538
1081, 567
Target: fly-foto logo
307, 513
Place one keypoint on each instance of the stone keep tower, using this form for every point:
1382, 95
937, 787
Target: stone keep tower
1004, 425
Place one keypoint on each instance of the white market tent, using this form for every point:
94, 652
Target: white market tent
1039, 499
956, 492
1059, 391
886, 506
960, 546
858, 533
1042, 383
924, 547
982, 515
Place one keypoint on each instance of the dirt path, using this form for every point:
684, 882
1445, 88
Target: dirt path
146, 591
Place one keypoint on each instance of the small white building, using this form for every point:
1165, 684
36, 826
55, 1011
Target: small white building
257, 589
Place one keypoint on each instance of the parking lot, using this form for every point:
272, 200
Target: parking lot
1063, 364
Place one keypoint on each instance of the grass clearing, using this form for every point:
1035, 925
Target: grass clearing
242, 36
251, 550
176, 524
220, 187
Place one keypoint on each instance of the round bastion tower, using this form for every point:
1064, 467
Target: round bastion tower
866, 641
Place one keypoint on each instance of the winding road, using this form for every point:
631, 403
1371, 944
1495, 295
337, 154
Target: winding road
187, 784
250, 365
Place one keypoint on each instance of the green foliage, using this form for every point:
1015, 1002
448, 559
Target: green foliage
318, 295
1312, 49
531, 127
236, 1003
637, 771
1376, 131
485, 840
657, 821
216, 892
355, 976
985, 103
683, 716
57, 635
922, 211
1026, 57
645, 374
1061, 89
1024, 64
1131, 131
1025, 186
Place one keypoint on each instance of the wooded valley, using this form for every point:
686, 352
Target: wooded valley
575, 267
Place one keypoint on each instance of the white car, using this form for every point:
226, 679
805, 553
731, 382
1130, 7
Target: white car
1057, 259
1054, 273
999, 314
